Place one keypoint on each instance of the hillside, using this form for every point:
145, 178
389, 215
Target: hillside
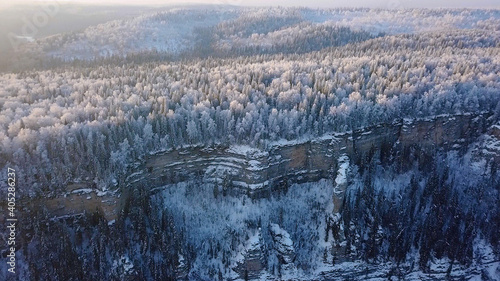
225, 143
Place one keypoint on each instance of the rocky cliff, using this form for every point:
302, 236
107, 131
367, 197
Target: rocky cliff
258, 172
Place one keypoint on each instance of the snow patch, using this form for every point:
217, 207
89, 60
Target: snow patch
341, 178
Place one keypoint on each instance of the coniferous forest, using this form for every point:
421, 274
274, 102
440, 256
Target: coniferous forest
231, 143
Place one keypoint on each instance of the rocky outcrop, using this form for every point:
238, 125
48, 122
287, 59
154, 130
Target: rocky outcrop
283, 245
259, 171
249, 261
340, 184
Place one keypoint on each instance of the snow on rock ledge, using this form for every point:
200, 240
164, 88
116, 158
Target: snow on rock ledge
340, 183
283, 244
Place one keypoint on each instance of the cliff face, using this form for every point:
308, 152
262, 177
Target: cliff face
241, 169
259, 172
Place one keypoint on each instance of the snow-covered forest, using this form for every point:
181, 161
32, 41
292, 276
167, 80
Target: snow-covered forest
408, 215
91, 122
89, 106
